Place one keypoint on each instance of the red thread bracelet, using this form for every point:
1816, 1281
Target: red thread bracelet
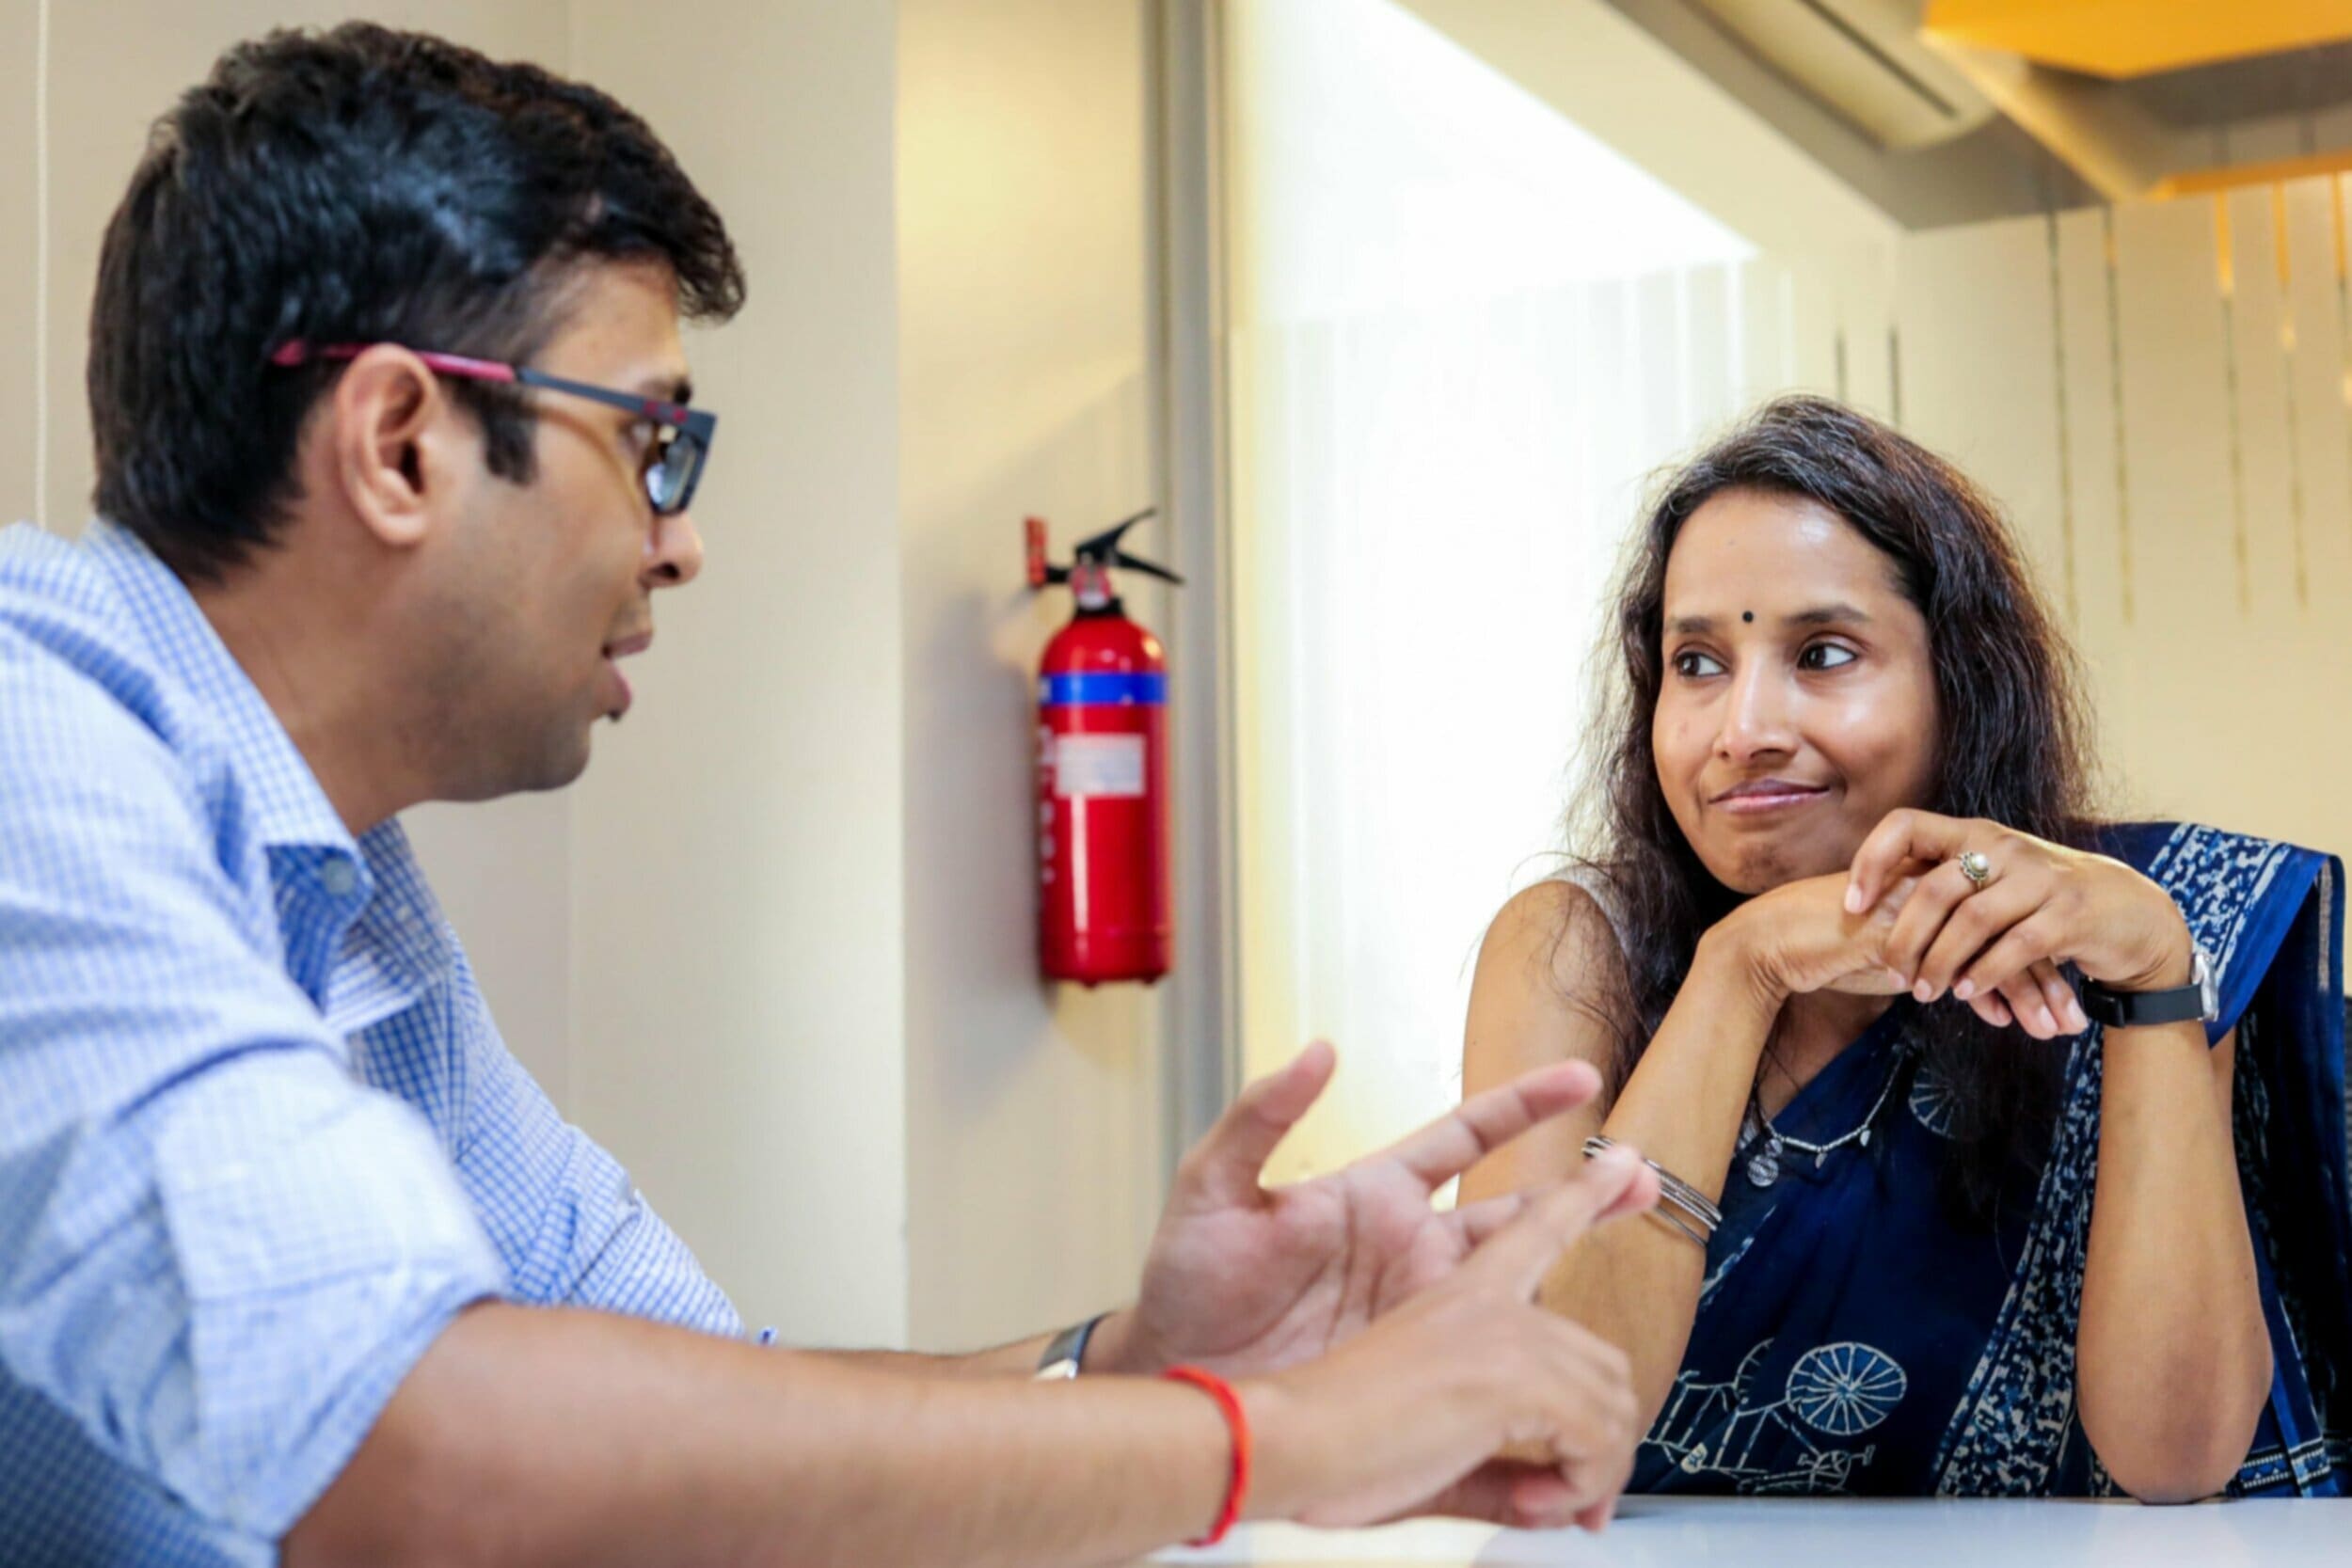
1237, 1423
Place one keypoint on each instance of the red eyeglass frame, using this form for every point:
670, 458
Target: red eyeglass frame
674, 465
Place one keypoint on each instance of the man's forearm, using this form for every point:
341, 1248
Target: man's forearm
529, 1436
1112, 1347
1018, 1360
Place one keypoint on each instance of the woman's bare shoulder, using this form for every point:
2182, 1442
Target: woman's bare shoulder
1540, 995
1560, 927
1547, 973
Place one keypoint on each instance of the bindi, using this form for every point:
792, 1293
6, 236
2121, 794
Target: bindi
1747, 615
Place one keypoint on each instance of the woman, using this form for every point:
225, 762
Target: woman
1827, 956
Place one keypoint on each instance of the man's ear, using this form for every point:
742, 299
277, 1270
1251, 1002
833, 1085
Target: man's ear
391, 421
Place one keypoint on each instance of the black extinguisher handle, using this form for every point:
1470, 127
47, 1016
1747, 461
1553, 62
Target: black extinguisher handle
1104, 548
1148, 568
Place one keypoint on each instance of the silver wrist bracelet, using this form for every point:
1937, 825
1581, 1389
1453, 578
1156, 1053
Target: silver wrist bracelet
1676, 1197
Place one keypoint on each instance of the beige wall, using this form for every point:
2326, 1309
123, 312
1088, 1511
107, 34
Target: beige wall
20, 377
1027, 313
805, 1000
738, 914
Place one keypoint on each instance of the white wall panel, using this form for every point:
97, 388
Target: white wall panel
1767, 353
1980, 370
2266, 516
2176, 409
2316, 301
1709, 371
2094, 491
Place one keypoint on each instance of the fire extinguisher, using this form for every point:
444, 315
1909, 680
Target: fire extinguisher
1102, 774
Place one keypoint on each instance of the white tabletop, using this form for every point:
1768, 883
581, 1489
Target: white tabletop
1653, 1531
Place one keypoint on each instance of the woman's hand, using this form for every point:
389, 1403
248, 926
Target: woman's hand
1998, 947
1801, 937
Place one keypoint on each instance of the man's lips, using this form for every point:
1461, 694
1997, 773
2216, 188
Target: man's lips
613, 654
1764, 795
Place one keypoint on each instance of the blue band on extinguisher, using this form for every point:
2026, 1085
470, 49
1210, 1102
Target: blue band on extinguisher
1101, 690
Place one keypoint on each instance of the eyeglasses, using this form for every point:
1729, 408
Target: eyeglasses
673, 460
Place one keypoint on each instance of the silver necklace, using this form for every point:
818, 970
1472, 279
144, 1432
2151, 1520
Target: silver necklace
1764, 1165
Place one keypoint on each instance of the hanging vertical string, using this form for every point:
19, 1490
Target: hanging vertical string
2065, 424
40, 264
2226, 263
2344, 295
2115, 388
2281, 240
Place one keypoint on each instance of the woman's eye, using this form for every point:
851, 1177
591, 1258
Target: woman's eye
1691, 664
1825, 656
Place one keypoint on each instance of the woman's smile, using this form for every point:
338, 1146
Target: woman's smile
1768, 798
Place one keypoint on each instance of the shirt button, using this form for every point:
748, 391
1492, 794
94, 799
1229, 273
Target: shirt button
338, 877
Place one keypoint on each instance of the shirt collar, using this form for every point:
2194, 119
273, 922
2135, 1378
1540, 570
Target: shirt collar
364, 904
290, 809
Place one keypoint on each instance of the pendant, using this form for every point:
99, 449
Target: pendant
1764, 1165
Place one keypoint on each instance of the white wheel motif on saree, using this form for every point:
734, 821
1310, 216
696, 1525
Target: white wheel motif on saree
1844, 1388
1931, 1102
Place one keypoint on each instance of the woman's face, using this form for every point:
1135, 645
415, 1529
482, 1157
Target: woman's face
1798, 705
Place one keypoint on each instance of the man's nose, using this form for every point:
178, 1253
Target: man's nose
674, 552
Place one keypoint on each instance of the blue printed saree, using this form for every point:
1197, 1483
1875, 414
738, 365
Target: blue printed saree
1853, 1337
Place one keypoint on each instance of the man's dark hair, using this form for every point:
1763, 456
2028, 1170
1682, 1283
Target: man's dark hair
360, 185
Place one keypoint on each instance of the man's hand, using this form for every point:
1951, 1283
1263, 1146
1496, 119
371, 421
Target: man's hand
1247, 1280
1406, 1417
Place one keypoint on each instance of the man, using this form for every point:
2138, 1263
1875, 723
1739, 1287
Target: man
292, 1254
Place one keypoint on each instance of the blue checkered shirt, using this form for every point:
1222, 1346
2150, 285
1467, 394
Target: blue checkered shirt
260, 1140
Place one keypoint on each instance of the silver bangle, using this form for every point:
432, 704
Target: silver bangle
1674, 1194
1665, 1215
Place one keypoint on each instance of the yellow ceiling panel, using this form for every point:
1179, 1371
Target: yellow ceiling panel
2133, 38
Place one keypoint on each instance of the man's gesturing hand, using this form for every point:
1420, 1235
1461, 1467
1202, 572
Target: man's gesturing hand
1415, 1407
1246, 1279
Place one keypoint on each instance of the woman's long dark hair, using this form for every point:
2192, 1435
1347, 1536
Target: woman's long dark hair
2012, 747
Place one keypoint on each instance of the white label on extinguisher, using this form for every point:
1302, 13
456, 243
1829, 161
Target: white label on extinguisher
1098, 765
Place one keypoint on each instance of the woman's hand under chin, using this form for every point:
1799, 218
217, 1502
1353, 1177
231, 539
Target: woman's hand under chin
1999, 946
1800, 938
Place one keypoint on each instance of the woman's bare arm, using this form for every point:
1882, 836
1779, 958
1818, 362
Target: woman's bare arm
1636, 1285
2172, 1355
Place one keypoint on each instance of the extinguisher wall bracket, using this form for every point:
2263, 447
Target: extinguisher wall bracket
1100, 551
1042, 574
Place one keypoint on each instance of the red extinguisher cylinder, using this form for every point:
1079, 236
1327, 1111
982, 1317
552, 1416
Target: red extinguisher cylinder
1103, 816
